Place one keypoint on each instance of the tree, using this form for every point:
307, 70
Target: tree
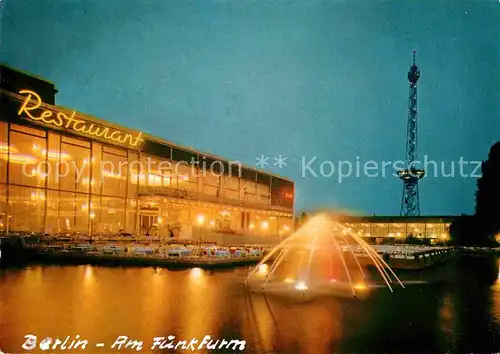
301, 219
479, 229
464, 231
296, 222
488, 193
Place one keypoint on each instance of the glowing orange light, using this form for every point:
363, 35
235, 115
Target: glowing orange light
360, 286
63, 120
4, 148
112, 175
54, 155
19, 158
196, 272
301, 286
263, 269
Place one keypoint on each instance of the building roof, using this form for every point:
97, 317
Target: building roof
23, 72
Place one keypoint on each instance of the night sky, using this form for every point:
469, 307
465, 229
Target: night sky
241, 79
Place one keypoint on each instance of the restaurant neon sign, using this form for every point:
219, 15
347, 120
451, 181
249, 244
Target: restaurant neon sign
62, 120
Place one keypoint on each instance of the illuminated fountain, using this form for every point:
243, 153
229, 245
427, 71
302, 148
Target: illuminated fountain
322, 257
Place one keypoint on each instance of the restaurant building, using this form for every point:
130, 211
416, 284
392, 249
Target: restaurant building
434, 228
63, 171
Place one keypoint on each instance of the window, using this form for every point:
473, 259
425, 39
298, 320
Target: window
3, 152
264, 191
231, 187
250, 191
211, 184
133, 174
27, 160
27, 130
187, 178
26, 209
52, 220
112, 215
73, 214
114, 175
78, 142
131, 216
74, 168
3, 207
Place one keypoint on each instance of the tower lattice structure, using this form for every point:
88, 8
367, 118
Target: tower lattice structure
411, 175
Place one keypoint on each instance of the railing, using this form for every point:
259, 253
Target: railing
195, 196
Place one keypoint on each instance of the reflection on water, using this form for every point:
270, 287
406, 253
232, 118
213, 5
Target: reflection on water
461, 314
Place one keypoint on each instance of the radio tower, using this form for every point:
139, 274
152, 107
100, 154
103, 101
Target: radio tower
411, 175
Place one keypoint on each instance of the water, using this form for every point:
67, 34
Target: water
452, 309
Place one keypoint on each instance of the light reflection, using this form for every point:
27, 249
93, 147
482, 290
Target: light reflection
263, 269
33, 276
19, 158
110, 174
39, 195
54, 155
301, 286
262, 323
88, 275
4, 148
360, 286
200, 310
196, 272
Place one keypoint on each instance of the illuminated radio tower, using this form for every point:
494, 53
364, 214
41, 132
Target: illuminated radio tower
411, 175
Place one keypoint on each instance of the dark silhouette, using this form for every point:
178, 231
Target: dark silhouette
488, 193
464, 232
301, 219
480, 229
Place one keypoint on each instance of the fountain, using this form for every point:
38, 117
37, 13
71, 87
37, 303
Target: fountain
322, 257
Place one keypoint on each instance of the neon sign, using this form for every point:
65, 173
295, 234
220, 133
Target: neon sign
288, 195
62, 120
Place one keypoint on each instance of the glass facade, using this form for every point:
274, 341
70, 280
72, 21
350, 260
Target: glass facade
401, 228
54, 183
